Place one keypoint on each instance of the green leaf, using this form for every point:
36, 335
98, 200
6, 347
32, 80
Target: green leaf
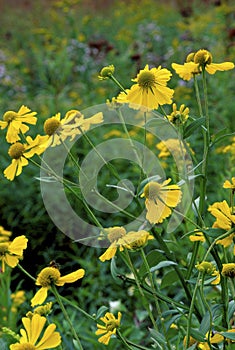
196, 334
101, 311
158, 336
228, 335
205, 324
114, 271
162, 264
193, 126
153, 258
169, 278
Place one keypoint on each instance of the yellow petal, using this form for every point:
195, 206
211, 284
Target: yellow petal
18, 245
109, 253
213, 67
39, 297
71, 277
50, 339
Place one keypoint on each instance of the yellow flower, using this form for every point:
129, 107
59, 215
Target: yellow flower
224, 218
19, 153
178, 117
4, 234
43, 310
205, 267
115, 236
198, 236
228, 270
106, 72
204, 60
228, 184
196, 62
160, 198
18, 298
12, 252
14, 121
110, 327
33, 328
150, 89
73, 124
135, 240
51, 276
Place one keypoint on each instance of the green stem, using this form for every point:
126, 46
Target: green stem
77, 308
198, 96
170, 256
154, 296
145, 301
58, 298
207, 307
192, 306
26, 273
123, 340
117, 83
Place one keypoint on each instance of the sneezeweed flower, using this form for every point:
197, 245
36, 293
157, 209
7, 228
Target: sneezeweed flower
205, 267
111, 324
4, 235
15, 123
225, 219
197, 236
20, 153
178, 117
51, 276
106, 72
150, 89
115, 236
12, 252
31, 333
42, 310
199, 61
58, 130
134, 240
228, 270
230, 185
17, 298
160, 198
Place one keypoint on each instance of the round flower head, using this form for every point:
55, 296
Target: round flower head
33, 328
14, 122
4, 234
204, 60
106, 72
160, 198
137, 239
20, 153
111, 324
178, 117
12, 252
51, 276
115, 236
228, 270
150, 89
206, 267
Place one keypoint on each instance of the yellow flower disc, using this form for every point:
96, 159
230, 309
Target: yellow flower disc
190, 57
114, 233
111, 325
152, 190
9, 116
48, 276
16, 150
51, 125
203, 57
146, 79
228, 270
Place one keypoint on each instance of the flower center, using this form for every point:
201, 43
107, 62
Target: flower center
114, 233
146, 79
203, 57
48, 276
3, 248
16, 150
9, 116
228, 270
152, 190
51, 125
111, 325
26, 346
190, 57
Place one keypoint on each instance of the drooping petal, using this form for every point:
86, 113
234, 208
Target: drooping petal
213, 67
39, 297
18, 245
11, 261
109, 253
71, 277
50, 339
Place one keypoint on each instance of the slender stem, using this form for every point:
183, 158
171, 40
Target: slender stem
58, 298
26, 273
117, 83
123, 340
154, 296
207, 307
192, 306
198, 96
145, 302
77, 308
